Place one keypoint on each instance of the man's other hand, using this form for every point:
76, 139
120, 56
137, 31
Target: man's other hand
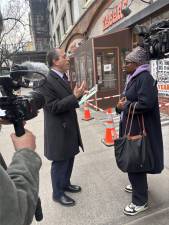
25, 141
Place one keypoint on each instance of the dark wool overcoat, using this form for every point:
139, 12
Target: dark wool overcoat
61, 130
143, 90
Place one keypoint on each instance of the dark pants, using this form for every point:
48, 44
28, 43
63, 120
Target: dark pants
60, 174
140, 188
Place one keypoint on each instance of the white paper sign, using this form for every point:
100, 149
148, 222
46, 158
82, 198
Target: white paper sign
107, 67
88, 95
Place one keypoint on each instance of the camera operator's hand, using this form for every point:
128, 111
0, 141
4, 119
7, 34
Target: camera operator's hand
25, 141
79, 91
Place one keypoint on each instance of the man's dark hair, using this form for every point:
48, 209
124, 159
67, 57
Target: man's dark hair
1, 23
52, 55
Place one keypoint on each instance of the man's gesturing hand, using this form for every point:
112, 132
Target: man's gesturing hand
79, 91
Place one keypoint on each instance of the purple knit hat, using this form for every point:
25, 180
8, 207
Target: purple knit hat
137, 55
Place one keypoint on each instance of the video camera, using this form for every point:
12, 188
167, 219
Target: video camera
155, 39
19, 108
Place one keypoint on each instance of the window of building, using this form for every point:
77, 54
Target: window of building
64, 20
52, 15
58, 35
56, 6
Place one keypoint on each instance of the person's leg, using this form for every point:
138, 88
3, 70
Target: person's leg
69, 172
139, 188
139, 194
58, 177
68, 186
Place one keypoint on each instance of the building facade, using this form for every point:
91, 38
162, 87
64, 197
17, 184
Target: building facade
39, 24
64, 14
100, 39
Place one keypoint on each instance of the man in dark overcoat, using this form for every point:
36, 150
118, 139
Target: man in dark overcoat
61, 130
141, 88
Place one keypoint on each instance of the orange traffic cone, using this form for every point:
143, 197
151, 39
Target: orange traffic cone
110, 132
87, 115
108, 139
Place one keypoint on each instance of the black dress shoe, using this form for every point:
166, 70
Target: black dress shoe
73, 188
65, 200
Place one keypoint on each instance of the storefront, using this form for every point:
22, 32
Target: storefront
99, 55
99, 61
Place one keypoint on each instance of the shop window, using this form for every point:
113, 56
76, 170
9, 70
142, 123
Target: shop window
124, 52
72, 72
83, 64
89, 69
82, 68
77, 69
99, 69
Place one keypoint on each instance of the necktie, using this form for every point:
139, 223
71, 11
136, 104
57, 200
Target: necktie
65, 77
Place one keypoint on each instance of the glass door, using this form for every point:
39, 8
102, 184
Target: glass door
107, 69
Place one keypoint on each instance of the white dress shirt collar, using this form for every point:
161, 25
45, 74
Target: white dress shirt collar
58, 73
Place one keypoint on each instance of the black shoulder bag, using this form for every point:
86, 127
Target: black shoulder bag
133, 153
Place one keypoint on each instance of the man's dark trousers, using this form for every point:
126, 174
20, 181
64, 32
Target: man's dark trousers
60, 174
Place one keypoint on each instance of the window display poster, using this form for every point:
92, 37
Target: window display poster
107, 67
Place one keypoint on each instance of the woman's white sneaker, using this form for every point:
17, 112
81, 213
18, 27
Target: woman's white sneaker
132, 209
128, 188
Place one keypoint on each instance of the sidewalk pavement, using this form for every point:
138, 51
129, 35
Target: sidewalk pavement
102, 199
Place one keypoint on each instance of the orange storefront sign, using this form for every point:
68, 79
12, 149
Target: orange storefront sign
115, 15
163, 88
